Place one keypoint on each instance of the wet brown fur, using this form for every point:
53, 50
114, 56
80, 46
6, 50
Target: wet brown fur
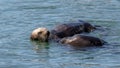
70, 29
82, 41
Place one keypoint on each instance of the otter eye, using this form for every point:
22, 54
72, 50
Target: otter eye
39, 32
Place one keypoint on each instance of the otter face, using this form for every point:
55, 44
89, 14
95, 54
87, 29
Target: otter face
41, 34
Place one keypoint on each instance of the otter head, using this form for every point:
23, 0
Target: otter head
41, 34
88, 27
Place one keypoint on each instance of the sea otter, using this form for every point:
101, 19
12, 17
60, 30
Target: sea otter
61, 31
82, 41
40, 34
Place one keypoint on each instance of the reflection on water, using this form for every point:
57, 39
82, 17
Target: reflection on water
19, 17
40, 45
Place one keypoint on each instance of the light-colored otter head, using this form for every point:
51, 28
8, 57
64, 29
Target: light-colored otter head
41, 34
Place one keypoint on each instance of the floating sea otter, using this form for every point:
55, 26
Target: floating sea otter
61, 31
82, 41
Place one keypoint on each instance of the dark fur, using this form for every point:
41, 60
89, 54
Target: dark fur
83, 41
70, 29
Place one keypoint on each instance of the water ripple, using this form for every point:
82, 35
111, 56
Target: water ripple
20, 17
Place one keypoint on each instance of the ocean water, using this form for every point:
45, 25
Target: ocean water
19, 17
